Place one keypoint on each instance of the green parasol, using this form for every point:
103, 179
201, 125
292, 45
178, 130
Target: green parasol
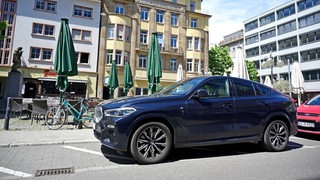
127, 77
113, 78
154, 70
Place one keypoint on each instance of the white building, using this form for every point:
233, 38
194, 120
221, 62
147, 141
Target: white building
34, 26
292, 32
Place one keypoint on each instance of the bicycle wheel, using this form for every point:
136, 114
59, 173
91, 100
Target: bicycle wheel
87, 118
55, 117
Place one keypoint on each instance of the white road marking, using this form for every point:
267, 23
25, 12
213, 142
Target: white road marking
84, 150
14, 172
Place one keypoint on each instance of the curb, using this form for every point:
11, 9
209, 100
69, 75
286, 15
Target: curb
49, 143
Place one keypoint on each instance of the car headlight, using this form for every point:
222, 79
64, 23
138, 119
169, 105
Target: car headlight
119, 112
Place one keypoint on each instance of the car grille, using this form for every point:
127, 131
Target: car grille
315, 128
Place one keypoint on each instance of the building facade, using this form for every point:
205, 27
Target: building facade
126, 28
291, 32
232, 41
34, 25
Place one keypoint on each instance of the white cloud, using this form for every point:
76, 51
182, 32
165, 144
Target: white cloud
228, 15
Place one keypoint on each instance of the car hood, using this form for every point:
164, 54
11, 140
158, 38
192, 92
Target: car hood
315, 109
136, 100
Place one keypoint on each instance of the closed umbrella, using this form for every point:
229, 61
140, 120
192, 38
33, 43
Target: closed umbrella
297, 80
127, 77
154, 70
113, 78
239, 65
65, 61
179, 73
267, 81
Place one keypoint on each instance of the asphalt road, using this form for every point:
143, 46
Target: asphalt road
301, 160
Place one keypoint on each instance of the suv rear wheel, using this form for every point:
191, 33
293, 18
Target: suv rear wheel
276, 136
151, 143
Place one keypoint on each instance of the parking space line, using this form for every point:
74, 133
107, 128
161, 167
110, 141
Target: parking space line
83, 150
14, 172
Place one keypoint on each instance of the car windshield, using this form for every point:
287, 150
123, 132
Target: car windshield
181, 87
314, 101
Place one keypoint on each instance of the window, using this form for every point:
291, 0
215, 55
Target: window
252, 52
109, 56
311, 75
244, 88
251, 26
196, 43
144, 15
267, 19
128, 33
265, 49
202, 44
120, 32
174, 41
159, 16
310, 37
160, 40
310, 55
46, 5
142, 61
268, 34
189, 65
252, 39
216, 88
42, 54
173, 64
118, 57
291, 57
111, 31
42, 29
143, 37
174, 19
193, 22
286, 12
141, 91
306, 4
288, 27
119, 9
309, 20
196, 65
189, 42
82, 57
82, 11
287, 43
9, 6
192, 6
81, 35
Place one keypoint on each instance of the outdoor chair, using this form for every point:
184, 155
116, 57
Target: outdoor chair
39, 109
17, 107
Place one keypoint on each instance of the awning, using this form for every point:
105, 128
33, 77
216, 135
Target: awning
70, 80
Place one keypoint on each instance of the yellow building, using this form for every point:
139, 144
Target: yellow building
125, 33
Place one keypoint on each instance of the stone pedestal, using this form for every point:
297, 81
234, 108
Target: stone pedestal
14, 84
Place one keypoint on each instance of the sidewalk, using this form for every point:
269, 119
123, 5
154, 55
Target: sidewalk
22, 133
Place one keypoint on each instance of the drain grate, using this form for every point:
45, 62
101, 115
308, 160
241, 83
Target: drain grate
48, 172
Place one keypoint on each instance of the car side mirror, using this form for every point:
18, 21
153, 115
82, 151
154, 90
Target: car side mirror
202, 93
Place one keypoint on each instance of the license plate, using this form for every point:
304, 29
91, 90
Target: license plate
306, 124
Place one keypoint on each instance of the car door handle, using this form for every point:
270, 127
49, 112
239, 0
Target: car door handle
227, 106
264, 103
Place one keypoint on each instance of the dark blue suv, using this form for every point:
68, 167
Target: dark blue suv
196, 112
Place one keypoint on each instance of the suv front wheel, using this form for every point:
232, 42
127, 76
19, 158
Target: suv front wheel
276, 136
151, 143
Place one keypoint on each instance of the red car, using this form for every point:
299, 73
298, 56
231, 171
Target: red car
308, 116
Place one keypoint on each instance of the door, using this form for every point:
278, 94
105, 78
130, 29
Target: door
30, 90
212, 117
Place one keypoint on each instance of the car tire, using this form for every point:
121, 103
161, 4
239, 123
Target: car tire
151, 143
276, 136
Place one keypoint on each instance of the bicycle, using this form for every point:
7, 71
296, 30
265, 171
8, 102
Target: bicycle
57, 116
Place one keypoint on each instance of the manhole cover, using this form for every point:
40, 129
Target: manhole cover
48, 172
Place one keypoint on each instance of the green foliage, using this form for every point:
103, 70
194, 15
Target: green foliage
253, 73
220, 61
3, 26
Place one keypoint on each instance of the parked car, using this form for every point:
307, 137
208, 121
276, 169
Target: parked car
196, 112
308, 115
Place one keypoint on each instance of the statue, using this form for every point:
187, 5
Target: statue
16, 59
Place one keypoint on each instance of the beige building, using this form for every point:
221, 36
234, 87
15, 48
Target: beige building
232, 41
126, 28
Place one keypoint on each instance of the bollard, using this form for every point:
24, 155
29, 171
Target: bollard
8, 113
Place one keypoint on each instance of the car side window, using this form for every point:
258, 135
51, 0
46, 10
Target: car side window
244, 88
217, 88
262, 89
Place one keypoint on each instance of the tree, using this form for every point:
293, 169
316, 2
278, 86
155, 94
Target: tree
3, 26
220, 61
253, 73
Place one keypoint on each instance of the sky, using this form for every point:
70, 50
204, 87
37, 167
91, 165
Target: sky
228, 15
